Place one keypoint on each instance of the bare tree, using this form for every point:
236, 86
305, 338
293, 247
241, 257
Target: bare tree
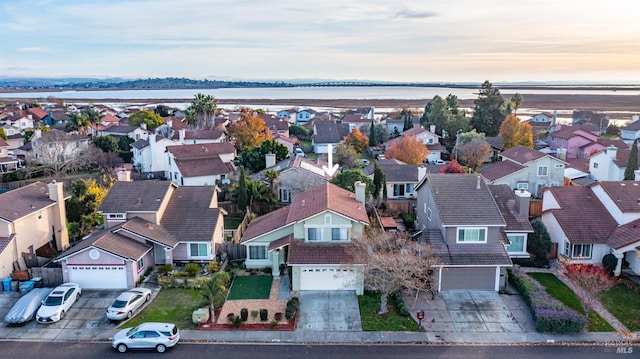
392, 262
474, 152
588, 280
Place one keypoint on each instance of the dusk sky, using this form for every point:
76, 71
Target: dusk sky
413, 40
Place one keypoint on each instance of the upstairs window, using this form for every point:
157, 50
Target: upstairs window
543, 170
472, 235
339, 234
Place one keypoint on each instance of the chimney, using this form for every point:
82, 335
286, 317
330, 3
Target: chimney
360, 191
270, 160
636, 174
181, 138
60, 234
634, 118
522, 202
612, 151
432, 128
37, 133
124, 176
554, 120
143, 125
478, 179
169, 123
422, 171
562, 153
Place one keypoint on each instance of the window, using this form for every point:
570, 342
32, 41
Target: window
472, 235
429, 213
285, 195
424, 207
398, 190
595, 165
517, 244
115, 215
581, 251
339, 234
522, 185
140, 264
198, 250
409, 187
258, 252
543, 170
314, 234
559, 165
555, 184
567, 247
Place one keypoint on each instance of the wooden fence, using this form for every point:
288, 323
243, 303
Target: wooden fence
535, 208
233, 251
51, 277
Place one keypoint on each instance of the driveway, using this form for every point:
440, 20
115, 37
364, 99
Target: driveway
85, 320
473, 311
329, 310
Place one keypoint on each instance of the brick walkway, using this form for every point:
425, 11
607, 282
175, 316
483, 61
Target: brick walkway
273, 305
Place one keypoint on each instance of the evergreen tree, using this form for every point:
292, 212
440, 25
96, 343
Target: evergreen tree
379, 181
243, 195
632, 164
373, 141
489, 111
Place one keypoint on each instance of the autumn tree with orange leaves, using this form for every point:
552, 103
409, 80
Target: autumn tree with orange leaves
514, 133
358, 140
452, 167
409, 150
249, 130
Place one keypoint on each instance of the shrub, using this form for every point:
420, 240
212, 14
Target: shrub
550, 314
264, 315
254, 314
398, 301
167, 282
165, 269
292, 308
274, 323
244, 314
236, 321
609, 262
278, 316
408, 220
192, 269
212, 267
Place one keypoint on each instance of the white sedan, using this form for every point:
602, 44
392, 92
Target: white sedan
58, 302
127, 303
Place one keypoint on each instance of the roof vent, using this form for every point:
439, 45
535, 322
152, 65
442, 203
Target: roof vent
157, 199
478, 182
302, 204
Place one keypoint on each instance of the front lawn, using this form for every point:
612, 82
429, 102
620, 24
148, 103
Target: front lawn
171, 305
623, 301
250, 287
557, 289
391, 321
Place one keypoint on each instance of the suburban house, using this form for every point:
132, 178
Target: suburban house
201, 136
428, 138
609, 164
327, 133
277, 126
572, 139
397, 124
401, 178
356, 121
304, 116
631, 131
590, 222
200, 164
527, 169
546, 118
54, 146
459, 218
149, 156
514, 207
287, 114
117, 131
146, 223
32, 220
296, 175
582, 117
312, 237
15, 139
7, 163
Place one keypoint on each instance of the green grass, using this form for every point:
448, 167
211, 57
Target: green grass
623, 301
232, 223
391, 321
560, 291
251, 287
171, 305
305, 143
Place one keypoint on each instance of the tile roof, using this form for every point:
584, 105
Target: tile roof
581, 164
633, 126
266, 223
301, 252
354, 117
326, 132
25, 200
625, 194
189, 216
622, 158
111, 242
395, 172
120, 129
388, 222
197, 167
625, 235
506, 201
3, 143
522, 155
460, 202
498, 170
203, 134
582, 217
135, 196
201, 150
279, 243
150, 230
38, 112
276, 124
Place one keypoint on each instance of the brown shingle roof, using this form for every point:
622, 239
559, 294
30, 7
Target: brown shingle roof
319, 253
327, 196
22, 201
395, 172
266, 223
203, 134
202, 167
583, 218
522, 155
625, 235
506, 202
150, 230
189, 216
135, 196
201, 150
500, 169
111, 242
625, 194
478, 254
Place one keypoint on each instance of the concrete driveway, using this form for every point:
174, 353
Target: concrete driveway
86, 320
473, 311
329, 310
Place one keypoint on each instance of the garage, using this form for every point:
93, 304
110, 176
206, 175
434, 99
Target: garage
98, 277
456, 278
328, 278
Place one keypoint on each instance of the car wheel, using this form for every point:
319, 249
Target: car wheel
129, 315
62, 315
121, 348
148, 298
161, 348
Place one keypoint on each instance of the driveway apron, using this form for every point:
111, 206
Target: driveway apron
329, 310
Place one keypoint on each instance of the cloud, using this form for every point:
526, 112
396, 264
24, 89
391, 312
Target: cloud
414, 14
33, 49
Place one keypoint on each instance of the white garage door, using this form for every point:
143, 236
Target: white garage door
98, 277
312, 278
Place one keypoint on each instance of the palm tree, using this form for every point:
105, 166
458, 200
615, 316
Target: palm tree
215, 291
201, 113
271, 175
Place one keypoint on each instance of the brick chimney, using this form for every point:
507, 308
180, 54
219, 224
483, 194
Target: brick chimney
522, 202
360, 191
61, 235
270, 160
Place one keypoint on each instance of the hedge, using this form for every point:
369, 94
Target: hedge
550, 314
398, 300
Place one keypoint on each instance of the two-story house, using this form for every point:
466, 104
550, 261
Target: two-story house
527, 169
200, 164
54, 146
609, 164
460, 219
296, 175
327, 133
631, 131
428, 138
590, 222
150, 156
32, 220
7, 163
146, 223
401, 178
304, 116
312, 237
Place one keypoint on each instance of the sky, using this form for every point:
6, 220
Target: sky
380, 40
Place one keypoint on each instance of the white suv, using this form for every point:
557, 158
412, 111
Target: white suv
58, 302
158, 336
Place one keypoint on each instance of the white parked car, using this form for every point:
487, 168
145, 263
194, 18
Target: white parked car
127, 303
58, 302
299, 152
438, 162
158, 336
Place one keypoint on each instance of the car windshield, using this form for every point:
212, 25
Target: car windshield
53, 301
119, 304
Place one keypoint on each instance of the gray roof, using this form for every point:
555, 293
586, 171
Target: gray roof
112, 242
189, 216
326, 132
396, 172
135, 196
140, 144
22, 201
465, 254
464, 200
507, 203
120, 129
